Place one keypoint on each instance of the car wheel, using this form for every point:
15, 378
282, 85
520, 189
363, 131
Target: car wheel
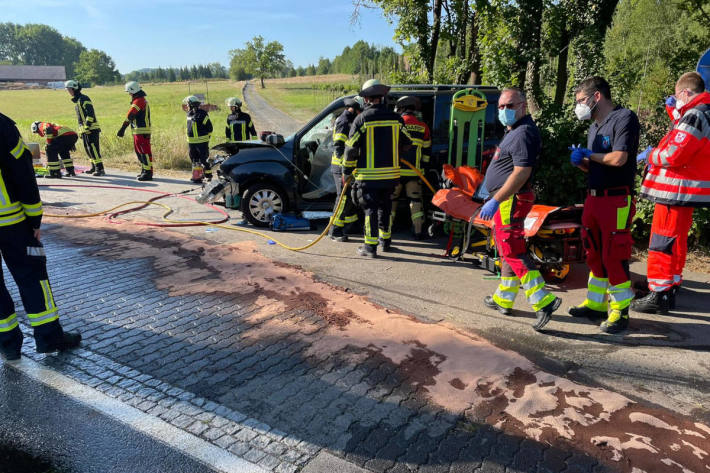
260, 202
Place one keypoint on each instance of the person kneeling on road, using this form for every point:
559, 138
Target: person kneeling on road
20, 220
509, 183
61, 140
199, 129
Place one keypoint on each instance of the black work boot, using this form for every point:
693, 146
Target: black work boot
674, 293
70, 171
368, 251
11, 344
653, 303
617, 322
545, 314
51, 337
145, 176
100, 170
584, 311
337, 234
91, 170
54, 174
492, 304
385, 244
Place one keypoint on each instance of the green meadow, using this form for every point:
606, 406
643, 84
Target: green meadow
111, 103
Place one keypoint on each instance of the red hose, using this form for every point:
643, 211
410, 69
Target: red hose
112, 216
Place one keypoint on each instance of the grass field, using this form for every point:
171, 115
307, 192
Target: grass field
303, 97
111, 103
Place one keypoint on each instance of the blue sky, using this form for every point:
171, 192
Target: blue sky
181, 32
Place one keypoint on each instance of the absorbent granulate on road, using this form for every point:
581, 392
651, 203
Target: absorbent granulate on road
331, 370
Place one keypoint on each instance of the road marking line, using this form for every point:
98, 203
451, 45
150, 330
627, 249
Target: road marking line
187, 443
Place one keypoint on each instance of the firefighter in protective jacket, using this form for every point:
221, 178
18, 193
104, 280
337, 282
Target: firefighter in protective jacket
239, 125
61, 140
372, 157
88, 127
139, 119
418, 156
20, 220
678, 180
199, 129
345, 213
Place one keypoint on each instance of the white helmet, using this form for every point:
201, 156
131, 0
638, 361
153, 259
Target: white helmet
133, 87
190, 100
233, 102
72, 84
35, 127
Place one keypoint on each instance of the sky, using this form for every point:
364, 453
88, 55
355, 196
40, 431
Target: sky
164, 33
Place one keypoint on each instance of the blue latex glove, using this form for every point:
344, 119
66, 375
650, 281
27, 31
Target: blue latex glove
644, 154
578, 154
670, 101
489, 209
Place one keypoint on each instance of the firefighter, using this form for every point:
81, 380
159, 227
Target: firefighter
199, 129
61, 140
509, 184
20, 219
678, 180
609, 160
346, 213
139, 119
239, 125
418, 155
372, 157
88, 127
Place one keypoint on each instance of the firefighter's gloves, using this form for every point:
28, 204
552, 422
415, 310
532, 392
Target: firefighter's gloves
670, 101
643, 156
489, 209
578, 154
122, 130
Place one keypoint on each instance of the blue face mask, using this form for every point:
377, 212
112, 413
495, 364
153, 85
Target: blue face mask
507, 116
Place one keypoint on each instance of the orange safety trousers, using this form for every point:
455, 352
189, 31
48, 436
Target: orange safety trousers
668, 247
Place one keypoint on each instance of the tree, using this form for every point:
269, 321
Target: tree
72, 50
258, 58
39, 45
96, 67
324, 66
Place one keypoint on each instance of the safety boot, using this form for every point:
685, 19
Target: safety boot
54, 174
100, 171
617, 322
91, 170
584, 311
368, 251
11, 345
653, 303
337, 234
70, 171
492, 304
385, 244
545, 314
66, 341
674, 293
145, 176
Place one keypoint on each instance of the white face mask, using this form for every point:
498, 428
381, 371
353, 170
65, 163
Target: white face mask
680, 104
583, 111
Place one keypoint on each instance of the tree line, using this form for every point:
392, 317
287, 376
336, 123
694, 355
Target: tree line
213, 70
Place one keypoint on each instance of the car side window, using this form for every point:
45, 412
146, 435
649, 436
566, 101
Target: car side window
322, 132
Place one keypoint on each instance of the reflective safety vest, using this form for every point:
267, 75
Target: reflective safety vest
341, 130
51, 131
420, 152
239, 127
199, 126
139, 114
85, 114
19, 195
372, 152
679, 167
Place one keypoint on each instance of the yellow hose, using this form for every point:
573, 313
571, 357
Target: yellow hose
419, 173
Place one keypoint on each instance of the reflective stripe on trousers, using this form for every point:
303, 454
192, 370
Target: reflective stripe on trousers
596, 293
506, 292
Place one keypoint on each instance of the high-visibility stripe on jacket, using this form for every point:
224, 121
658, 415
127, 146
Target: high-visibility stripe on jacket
372, 152
199, 126
341, 130
239, 127
85, 114
19, 195
51, 131
679, 169
420, 152
139, 114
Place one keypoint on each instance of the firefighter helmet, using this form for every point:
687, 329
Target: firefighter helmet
35, 127
233, 102
354, 103
408, 102
374, 88
191, 100
72, 84
133, 87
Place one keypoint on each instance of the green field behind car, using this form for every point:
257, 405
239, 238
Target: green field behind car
111, 103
